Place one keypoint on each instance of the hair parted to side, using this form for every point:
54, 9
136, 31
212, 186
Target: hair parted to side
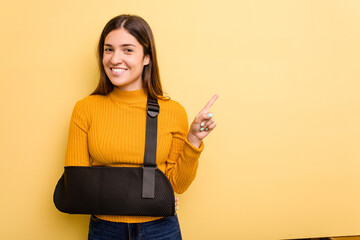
138, 28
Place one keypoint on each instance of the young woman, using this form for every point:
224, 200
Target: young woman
108, 127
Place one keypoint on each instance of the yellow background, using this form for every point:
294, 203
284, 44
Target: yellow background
284, 159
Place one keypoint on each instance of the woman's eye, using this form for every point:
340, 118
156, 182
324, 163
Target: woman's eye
107, 49
128, 50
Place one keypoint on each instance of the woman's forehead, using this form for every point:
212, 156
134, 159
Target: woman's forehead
120, 37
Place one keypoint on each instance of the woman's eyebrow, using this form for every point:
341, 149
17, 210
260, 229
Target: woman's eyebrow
122, 45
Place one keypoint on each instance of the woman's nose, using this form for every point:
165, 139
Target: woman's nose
116, 58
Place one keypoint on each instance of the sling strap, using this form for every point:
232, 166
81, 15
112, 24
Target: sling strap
149, 166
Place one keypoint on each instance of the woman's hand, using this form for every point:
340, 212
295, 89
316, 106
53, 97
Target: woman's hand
202, 125
176, 204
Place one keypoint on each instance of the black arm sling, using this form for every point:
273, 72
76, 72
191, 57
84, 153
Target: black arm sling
132, 191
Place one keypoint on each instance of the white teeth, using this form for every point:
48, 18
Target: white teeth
117, 69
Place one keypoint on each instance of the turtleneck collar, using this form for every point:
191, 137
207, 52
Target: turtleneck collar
129, 97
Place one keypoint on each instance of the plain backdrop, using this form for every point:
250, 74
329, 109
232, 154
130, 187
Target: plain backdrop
283, 161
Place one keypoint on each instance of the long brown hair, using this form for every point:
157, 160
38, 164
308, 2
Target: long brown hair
138, 28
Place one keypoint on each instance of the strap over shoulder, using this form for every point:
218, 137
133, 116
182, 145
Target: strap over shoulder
148, 186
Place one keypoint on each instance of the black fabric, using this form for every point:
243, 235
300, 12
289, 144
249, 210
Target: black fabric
148, 184
152, 110
112, 191
144, 191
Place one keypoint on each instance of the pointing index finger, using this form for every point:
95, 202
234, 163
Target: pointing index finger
210, 103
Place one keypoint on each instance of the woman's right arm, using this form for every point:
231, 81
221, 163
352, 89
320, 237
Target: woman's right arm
77, 151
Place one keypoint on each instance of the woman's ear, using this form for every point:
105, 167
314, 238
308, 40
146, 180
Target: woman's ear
146, 59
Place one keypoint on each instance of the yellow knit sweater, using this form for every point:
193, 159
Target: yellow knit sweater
110, 131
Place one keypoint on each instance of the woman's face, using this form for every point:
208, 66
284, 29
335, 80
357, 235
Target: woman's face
124, 60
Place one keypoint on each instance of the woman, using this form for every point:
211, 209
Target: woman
108, 127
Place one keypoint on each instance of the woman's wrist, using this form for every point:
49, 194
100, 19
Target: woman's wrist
194, 140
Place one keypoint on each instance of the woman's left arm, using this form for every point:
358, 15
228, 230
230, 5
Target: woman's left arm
187, 146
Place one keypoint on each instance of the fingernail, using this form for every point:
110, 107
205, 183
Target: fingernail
177, 208
202, 124
210, 115
177, 199
201, 129
206, 129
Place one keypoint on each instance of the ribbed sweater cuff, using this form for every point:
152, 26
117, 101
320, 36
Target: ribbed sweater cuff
190, 152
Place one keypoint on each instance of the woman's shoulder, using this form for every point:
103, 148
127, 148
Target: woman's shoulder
92, 99
170, 103
172, 106
89, 102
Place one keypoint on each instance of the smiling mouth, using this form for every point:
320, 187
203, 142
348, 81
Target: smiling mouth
117, 70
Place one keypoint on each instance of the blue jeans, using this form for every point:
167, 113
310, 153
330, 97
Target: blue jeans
164, 229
